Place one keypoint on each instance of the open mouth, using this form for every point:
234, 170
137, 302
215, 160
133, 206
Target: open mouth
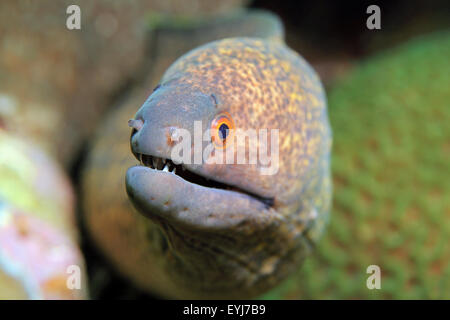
167, 165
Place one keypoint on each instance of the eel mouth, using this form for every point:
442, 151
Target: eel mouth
167, 165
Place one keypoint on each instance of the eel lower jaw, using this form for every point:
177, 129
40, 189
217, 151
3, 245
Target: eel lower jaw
160, 188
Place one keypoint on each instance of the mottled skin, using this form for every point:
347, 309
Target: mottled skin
220, 243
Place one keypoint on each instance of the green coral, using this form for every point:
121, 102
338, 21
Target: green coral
391, 171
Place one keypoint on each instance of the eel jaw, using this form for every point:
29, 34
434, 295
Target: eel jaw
159, 188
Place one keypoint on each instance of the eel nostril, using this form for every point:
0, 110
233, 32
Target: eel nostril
136, 124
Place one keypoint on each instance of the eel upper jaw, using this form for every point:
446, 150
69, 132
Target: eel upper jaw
160, 187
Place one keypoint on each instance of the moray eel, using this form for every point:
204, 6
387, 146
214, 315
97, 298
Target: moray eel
233, 230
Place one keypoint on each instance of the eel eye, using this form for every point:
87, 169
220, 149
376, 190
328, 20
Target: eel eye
221, 129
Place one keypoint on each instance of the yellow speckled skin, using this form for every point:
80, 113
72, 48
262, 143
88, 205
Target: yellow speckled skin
263, 85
